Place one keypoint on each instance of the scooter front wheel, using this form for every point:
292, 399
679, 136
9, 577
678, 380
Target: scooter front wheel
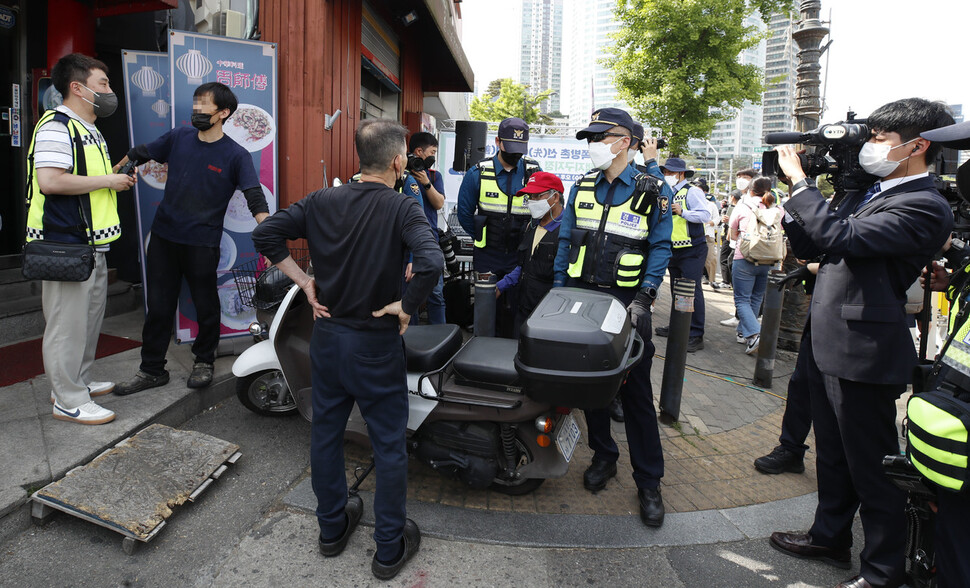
266, 393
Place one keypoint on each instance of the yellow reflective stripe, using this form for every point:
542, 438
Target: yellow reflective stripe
953, 459
480, 243
620, 221
957, 356
937, 422
937, 477
575, 270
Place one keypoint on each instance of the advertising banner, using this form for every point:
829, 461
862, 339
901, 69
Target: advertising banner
149, 95
249, 68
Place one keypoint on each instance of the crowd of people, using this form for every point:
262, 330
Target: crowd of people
619, 230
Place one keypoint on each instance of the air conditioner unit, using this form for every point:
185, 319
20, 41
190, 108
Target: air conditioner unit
230, 23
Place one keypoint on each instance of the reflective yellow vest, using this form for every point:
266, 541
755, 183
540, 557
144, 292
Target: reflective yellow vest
503, 216
608, 244
58, 216
684, 233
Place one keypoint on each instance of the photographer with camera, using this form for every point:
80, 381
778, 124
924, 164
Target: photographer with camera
857, 350
423, 148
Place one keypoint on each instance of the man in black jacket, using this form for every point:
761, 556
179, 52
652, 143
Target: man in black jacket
859, 353
359, 235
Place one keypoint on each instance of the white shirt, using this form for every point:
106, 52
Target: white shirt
52, 146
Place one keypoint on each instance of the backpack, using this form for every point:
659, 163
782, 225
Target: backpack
763, 242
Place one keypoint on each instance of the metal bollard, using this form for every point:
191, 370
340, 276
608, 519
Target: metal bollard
485, 305
672, 387
770, 323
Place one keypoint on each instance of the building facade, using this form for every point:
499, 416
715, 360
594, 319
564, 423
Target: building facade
781, 63
540, 62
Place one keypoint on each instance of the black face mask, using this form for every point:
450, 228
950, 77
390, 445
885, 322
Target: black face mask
202, 121
511, 158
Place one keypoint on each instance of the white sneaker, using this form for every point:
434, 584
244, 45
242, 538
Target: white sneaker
86, 414
741, 339
753, 342
95, 389
730, 322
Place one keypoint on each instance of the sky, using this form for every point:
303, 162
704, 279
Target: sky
882, 50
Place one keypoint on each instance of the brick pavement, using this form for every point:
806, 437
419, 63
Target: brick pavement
725, 424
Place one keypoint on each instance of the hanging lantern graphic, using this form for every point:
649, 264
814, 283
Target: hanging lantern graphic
148, 80
161, 108
194, 65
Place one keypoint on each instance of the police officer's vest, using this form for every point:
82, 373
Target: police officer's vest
938, 431
503, 217
685, 234
59, 217
608, 244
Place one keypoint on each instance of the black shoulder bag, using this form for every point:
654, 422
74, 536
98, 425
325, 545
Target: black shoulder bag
56, 261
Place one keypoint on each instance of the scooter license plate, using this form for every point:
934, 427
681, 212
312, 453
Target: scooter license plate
567, 436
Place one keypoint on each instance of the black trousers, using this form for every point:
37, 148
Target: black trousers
167, 263
726, 256
951, 540
797, 420
640, 414
855, 427
688, 262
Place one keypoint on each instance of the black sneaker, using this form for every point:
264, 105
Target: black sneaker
353, 510
412, 542
779, 461
695, 344
662, 331
141, 381
201, 375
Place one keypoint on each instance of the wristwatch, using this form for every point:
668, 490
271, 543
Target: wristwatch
427, 186
803, 183
650, 291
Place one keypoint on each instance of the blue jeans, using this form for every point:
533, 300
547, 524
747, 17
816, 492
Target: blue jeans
749, 282
366, 367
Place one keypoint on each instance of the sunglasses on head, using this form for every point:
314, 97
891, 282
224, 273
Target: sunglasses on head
597, 137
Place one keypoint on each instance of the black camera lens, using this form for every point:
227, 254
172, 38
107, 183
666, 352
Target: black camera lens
415, 164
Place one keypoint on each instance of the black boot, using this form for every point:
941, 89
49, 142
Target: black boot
596, 475
616, 409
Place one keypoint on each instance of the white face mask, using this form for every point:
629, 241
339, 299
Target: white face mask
631, 154
874, 159
601, 154
538, 208
671, 180
742, 183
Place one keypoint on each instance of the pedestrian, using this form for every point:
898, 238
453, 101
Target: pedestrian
205, 168
615, 238
690, 212
710, 234
70, 171
490, 212
860, 355
726, 252
533, 275
750, 278
356, 350
423, 147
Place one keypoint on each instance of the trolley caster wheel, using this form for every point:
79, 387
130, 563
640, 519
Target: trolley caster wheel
129, 545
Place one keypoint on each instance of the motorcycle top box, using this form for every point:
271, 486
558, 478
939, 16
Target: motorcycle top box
576, 349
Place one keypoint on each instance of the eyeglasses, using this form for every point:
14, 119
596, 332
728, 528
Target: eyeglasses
542, 195
597, 137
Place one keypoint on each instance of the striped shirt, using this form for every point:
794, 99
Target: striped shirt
52, 146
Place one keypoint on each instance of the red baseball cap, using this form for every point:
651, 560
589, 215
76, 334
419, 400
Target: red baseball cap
540, 182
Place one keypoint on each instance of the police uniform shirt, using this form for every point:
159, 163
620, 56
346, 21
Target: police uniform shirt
623, 187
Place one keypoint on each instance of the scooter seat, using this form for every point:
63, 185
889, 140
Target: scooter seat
429, 347
488, 360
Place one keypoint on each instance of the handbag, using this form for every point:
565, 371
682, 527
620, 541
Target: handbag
57, 262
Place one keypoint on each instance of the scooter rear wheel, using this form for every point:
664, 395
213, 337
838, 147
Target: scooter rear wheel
521, 486
266, 393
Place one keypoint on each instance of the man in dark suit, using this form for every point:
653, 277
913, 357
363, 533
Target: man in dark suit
858, 352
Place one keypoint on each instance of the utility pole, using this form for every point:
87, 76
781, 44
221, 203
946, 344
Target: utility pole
809, 34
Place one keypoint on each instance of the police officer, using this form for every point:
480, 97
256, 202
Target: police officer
490, 211
690, 212
615, 238
952, 534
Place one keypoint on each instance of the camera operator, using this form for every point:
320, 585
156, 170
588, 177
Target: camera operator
952, 534
859, 355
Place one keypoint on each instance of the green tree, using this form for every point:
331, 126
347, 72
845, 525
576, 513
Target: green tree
505, 98
676, 62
